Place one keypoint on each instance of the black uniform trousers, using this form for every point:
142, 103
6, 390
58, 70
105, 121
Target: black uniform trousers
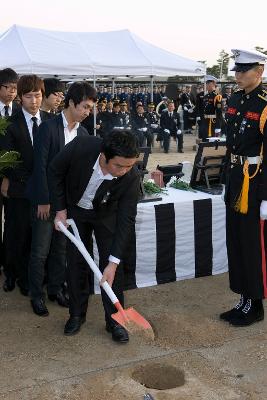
80, 278
18, 240
244, 252
187, 121
206, 128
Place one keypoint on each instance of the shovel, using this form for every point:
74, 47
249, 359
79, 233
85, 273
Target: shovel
130, 319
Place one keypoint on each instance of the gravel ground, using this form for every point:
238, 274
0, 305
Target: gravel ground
194, 355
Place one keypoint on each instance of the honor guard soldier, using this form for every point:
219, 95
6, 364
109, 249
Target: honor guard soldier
211, 123
109, 93
188, 109
246, 189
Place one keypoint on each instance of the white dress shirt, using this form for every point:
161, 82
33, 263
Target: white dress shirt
96, 179
86, 200
69, 135
2, 109
29, 122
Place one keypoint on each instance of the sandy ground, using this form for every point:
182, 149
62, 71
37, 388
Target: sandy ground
194, 355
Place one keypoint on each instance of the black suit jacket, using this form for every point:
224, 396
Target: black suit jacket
115, 201
171, 123
49, 142
18, 138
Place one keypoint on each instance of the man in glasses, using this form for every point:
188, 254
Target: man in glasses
53, 96
8, 107
8, 92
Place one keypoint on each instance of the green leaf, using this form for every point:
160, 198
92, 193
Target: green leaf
4, 123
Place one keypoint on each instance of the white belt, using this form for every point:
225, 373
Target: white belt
236, 159
206, 116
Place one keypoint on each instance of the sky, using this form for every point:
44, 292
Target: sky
192, 28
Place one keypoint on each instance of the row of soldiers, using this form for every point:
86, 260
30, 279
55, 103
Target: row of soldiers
144, 123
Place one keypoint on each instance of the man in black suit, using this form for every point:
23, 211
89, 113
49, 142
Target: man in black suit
49, 246
19, 137
8, 107
94, 182
170, 125
8, 92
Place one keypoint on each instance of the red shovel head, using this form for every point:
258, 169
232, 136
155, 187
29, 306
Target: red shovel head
132, 321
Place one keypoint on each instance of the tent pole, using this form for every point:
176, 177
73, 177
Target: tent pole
113, 87
151, 88
94, 109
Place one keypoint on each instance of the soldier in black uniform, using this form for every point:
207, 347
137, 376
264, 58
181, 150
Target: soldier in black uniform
152, 119
140, 127
211, 122
186, 102
246, 189
124, 114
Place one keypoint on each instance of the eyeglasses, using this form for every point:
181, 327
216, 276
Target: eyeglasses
60, 95
10, 88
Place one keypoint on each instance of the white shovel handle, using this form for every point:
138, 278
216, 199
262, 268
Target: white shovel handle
75, 239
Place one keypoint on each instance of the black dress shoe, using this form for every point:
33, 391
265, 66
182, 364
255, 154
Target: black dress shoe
119, 333
73, 325
251, 312
9, 284
234, 312
61, 299
180, 150
39, 307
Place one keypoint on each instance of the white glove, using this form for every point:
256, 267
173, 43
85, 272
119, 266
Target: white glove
154, 126
179, 131
185, 108
223, 193
263, 209
191, 110
198, 118
167, 131
144, 129
217, 131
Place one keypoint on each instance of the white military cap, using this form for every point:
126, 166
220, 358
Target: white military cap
210, 78
246, 59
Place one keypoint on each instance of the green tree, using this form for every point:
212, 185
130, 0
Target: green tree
261, 49
221, 68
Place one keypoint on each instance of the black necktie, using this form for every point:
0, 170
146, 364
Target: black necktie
6, 111
34, 127
170, 115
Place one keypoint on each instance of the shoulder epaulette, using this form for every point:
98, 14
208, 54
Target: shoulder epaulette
237, 90
263, 95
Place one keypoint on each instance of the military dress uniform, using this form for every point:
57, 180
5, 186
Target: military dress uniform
245, 195
212, 115
245, 138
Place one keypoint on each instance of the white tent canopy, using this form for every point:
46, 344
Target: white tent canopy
30, 50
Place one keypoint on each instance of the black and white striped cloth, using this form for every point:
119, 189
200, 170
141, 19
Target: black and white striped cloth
180, 237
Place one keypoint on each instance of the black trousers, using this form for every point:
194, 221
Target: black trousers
18, 240
206, 128
48, 248
244, 253
187, 121
80, 278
